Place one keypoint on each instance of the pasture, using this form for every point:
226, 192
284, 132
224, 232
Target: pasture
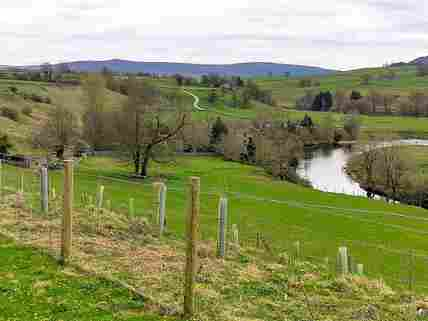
387, 238
287, 90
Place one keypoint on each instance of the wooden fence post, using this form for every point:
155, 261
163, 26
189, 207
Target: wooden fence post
343, 261
222, 226
67, 219
44, 190
191, 253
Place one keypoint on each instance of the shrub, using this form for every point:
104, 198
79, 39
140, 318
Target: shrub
356, 95
352, 125
361, 106
37, 98
13, 89
323, 101
10, 113
303, 83
27, 111
5, 144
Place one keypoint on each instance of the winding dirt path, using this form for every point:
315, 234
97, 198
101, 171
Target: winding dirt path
196, 102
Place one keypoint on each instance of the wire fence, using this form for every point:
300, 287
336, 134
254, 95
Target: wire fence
117, 231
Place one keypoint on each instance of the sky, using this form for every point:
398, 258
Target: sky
339, 34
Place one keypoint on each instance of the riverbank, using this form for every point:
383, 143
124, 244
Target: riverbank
410, 179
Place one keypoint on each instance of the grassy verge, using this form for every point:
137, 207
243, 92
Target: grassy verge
34, 287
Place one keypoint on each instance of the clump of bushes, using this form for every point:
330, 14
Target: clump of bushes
39, 99
308, 82
13, 90
33, 97
27, 111
352, 125
10, 113
5, 144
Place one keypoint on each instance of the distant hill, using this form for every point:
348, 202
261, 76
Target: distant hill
166, 68
420, 61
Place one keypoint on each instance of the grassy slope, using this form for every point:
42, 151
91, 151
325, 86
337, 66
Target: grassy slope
321, 221
34, 287
245, 286
403, 126
68, 96
287, 90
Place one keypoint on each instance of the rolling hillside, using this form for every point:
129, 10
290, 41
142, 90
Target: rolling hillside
286, 91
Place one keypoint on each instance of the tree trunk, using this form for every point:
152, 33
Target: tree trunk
144, 166
60, 152
137, 161
146, 160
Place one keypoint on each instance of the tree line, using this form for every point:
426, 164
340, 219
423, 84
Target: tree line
374, 102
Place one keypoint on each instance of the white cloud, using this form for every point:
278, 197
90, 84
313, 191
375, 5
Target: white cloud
331, 33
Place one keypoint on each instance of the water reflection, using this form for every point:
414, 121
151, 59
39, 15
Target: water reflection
324, 168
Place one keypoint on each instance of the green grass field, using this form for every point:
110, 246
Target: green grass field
34, 287
281, 211
286, 91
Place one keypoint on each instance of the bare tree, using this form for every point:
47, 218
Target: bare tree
327, 128
374, 97
367, 163
59, 132
340, 99
284, 148
392, 167
352, 125
419, 103
94, 117
387, 101
287, 149
147, 122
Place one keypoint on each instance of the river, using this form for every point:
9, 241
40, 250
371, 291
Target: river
324, 168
